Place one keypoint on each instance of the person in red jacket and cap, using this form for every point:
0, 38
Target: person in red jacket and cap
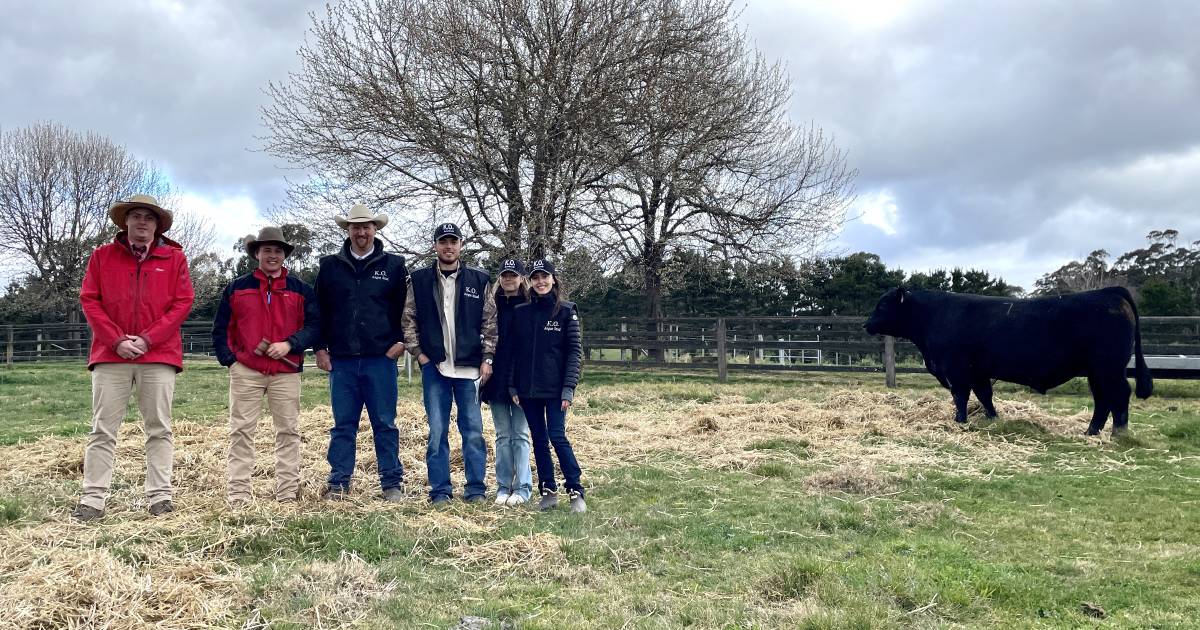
136, 294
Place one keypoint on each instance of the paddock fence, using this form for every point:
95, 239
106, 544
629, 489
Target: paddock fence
715, 344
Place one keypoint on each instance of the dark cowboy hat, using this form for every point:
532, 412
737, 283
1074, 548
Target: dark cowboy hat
118, 210
269, 234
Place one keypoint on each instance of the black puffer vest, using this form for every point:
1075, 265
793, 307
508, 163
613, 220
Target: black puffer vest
547, 349
470, 288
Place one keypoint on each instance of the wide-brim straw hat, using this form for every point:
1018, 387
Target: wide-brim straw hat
267, 235
120, 209
361, 214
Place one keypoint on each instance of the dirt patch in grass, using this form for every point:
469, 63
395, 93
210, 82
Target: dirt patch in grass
535, 555
849, 479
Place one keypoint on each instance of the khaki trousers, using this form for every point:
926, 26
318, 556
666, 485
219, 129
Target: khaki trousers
112, 385
246, 389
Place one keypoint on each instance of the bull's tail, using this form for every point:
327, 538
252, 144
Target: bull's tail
1144, 385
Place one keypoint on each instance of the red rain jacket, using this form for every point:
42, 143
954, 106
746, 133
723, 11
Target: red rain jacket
149, 298
255, 307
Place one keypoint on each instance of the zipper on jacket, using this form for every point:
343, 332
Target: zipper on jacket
536, 333
137, 296
270, 318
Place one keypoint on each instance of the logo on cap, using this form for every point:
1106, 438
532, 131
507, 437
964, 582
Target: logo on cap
539, 264
510, 264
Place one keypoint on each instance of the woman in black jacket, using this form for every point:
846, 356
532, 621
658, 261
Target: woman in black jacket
513, 477
547, 352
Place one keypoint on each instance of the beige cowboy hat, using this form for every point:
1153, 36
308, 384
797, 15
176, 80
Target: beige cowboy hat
267, 235
360, 214
118, 210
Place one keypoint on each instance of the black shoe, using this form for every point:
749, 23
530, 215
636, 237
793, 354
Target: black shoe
86, 513
441, 499
162, 507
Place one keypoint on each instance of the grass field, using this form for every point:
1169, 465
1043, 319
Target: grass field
805, 501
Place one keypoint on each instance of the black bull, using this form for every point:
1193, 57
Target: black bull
969, 340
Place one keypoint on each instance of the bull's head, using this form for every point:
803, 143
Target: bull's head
888, 317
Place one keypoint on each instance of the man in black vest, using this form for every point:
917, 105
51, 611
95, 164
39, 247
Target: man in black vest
361, 292
450, 327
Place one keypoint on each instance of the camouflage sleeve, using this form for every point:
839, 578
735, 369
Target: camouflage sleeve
412, 342
488, 329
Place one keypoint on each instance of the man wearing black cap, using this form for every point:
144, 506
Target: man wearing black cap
450, 327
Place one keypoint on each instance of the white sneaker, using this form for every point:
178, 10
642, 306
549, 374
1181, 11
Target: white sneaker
515, 500
502, 498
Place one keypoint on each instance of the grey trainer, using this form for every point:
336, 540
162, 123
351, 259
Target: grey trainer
578, 505
393, 495
549, 500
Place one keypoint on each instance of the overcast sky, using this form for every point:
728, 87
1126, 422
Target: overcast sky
1010, 136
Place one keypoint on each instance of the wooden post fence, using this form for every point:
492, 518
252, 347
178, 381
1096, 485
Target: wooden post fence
889, 359
722, 360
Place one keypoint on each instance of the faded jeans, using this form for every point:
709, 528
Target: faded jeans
513, 475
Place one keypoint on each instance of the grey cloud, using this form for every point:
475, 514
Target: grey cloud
1000, 126
1033, 130
179, 83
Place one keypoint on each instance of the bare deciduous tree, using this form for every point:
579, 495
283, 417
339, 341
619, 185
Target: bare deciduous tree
628, 127
56, 186
716, 166
495, 113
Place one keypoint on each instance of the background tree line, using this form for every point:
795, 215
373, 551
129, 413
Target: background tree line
56, 184
1164, 275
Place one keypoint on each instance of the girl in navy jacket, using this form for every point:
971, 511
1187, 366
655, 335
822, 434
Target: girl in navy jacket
547, 352
513, 477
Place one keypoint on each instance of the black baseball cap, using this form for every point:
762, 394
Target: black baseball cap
447, 229
543, 265
513, 265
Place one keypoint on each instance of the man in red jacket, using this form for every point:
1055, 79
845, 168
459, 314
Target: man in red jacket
264, 322
136, 293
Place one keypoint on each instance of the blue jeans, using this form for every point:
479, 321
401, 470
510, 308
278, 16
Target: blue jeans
512, 449
439, 392
354, 383
548, 425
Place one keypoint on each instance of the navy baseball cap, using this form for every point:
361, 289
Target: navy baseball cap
447, 229
512, 265
543, 265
